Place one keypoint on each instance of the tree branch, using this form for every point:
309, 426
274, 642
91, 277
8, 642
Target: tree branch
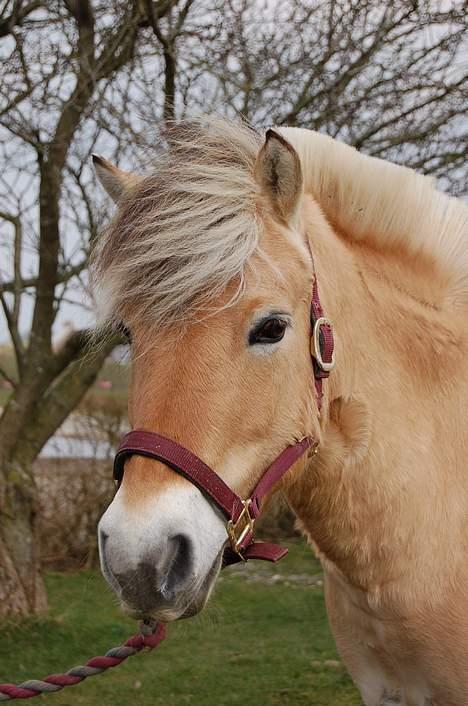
63, 276
168, 43
7, 377
19, 14
51, 175
15, 335
66, 392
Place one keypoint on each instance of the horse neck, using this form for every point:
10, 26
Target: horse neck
369, 498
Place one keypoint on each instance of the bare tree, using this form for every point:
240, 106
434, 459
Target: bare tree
387, 77
61, 62
101, 75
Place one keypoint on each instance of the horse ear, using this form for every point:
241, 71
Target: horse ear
278, 171
114, 180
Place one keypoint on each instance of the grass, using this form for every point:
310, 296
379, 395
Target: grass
263, 641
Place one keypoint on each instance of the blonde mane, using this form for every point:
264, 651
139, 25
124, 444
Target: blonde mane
188, 230
369, 199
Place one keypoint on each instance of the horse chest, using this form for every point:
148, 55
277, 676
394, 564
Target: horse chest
376, 652
387, 674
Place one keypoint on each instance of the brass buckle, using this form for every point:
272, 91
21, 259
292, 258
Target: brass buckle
316, 352
238, 531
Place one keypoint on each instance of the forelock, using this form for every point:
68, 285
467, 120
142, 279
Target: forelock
185, 232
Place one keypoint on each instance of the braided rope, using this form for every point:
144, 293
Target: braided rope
151, 635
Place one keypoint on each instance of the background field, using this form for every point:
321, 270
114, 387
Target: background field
264, 640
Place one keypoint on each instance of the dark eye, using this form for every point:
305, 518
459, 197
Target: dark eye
269, 330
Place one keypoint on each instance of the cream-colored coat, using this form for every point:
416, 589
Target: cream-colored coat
391, 480
386, 501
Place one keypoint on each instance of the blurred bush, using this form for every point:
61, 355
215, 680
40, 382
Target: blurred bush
74, 492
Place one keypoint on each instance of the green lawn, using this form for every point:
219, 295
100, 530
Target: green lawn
264, 640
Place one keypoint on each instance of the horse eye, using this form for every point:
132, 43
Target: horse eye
268, 331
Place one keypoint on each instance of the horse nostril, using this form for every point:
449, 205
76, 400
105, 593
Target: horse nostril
179, 566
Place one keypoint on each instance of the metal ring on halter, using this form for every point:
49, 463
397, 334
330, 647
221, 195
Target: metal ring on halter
316, 348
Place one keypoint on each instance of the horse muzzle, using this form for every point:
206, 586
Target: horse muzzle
160, 563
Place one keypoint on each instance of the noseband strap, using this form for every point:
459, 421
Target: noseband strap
240, 514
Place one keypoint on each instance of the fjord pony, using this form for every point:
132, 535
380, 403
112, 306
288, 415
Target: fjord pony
209, 264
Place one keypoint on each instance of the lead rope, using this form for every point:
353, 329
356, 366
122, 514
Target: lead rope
151, 634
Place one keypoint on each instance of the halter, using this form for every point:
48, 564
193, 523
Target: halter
240, 514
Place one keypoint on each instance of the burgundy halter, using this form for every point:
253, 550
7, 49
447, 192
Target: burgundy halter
241, 514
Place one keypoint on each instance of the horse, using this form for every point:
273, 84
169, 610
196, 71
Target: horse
208, 266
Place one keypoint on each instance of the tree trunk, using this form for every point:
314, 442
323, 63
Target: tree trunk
25, 426
22, 590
